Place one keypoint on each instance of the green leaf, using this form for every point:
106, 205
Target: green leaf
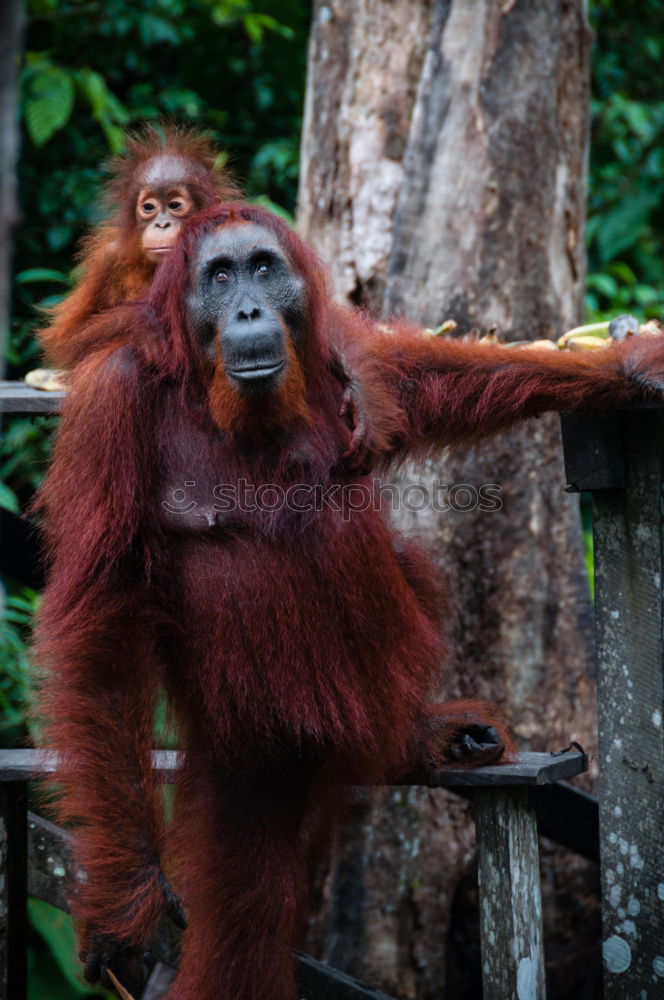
154, 30
95, 90
106, 108
271, 24
183, 101
59, 236
603, 283
623, 272
621, 228
114, 134
645, 295
254, 28
49, 101
41, 274
57, 930
8, 499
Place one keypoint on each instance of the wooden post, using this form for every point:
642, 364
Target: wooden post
510, 897
13, 890
628, 528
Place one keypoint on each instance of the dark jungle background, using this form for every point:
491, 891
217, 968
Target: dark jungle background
93, 68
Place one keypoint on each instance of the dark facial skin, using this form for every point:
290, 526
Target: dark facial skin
247, 299
163, 203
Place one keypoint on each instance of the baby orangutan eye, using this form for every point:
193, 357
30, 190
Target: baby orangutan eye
149, 206
175, 206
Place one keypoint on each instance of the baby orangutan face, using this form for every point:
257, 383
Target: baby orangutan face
164, 202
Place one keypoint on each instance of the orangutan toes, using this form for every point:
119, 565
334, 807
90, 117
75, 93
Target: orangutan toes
463, 733
476, 744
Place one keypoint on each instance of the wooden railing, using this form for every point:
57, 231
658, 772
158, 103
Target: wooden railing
36, 860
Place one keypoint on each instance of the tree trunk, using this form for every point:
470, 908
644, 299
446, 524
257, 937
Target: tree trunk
443, 176
11, 19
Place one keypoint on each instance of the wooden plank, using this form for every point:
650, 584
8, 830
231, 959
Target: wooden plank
13, 891
510, 897
35, 765
569, 816
594, 446
16, 397
593, 451
527, 769
319, 981
628, 529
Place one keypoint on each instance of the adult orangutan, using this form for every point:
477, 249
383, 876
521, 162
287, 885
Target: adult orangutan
205, 536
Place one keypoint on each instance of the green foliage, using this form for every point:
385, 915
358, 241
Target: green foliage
48, 98
626, 205
25, 449
8, 499
19, 607
55, 970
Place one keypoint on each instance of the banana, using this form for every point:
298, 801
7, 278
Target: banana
526, 345
600, 330
586, 343
48, 379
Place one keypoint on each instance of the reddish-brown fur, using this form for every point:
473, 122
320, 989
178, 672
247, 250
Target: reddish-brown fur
114, 267
296, 648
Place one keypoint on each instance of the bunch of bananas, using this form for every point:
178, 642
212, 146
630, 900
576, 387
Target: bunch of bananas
598, 335
592, 337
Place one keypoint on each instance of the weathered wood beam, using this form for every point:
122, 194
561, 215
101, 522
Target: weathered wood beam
318, 981
35, 765
16, 397
510, 897
526, 769
628, 527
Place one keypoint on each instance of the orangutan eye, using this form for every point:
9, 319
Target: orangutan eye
149, 206
221, 275
262, 270
175, 206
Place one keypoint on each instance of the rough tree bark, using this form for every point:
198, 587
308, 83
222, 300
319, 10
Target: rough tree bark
11, 20
443, 176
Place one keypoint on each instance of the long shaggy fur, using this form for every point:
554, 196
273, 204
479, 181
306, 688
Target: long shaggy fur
298, 647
